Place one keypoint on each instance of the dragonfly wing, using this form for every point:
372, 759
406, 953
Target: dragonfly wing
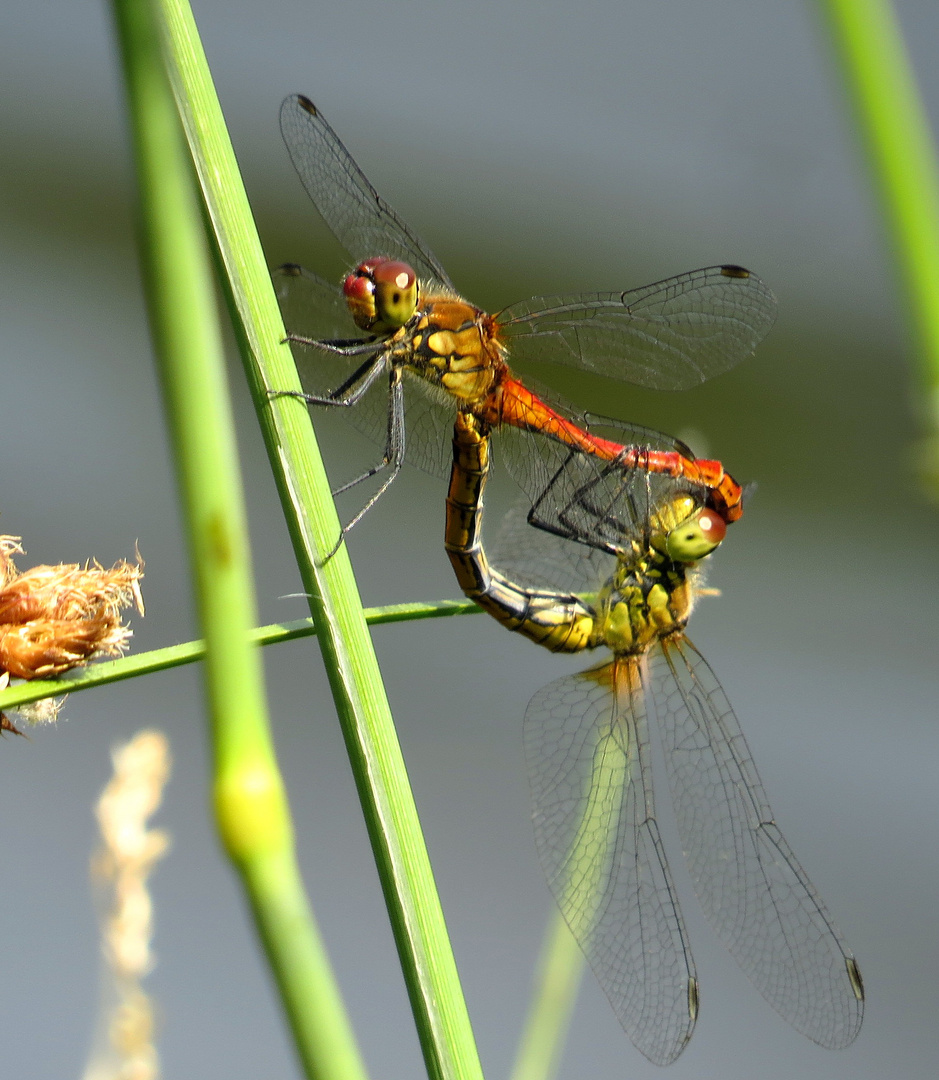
312, 307
430, 419
357, 215
586, 744
750, 884
671, 335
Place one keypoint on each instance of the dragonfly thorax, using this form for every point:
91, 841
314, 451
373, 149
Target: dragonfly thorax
645, 600
453, 345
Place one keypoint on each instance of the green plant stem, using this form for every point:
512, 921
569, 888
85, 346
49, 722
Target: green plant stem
249, 797
901, 154
188, 652
371, 742
560, 967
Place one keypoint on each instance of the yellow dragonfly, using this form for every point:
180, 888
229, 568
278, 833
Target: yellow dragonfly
587, 746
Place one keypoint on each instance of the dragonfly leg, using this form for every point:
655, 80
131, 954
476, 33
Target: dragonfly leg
571, 510
342, 346
392, 459
535, 514
347, 393
602, 504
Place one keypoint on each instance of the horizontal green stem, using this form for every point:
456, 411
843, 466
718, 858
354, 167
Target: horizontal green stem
127, 667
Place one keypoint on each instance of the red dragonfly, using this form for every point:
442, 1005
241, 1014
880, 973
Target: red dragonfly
421, 334
589, 755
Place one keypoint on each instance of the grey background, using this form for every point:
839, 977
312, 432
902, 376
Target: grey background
537, 148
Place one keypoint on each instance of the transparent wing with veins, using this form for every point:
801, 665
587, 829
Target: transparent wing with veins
670, 335
588, 760
587, 749
357, 215
750, 884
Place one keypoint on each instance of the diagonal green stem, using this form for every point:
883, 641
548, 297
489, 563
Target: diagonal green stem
901, 153
250, 801
390, 815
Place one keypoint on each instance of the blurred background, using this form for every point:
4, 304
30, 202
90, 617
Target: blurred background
537, 148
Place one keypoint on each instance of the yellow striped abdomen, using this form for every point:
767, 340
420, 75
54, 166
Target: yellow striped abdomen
557, 621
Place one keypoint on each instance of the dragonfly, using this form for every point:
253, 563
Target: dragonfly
587, 745
398, 316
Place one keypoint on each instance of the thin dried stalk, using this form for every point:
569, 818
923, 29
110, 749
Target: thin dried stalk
124, 1046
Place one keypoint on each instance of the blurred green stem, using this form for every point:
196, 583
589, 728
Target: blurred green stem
560, 967
250, 802
371, 742
902, 156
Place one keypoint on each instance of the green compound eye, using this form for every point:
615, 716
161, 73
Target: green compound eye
395, 293
695, 538
381, 294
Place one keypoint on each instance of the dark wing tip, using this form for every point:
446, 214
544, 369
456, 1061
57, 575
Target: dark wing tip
305, 103
854, 974
731, 270
290, 269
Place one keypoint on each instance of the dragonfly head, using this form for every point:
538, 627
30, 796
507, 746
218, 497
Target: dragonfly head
381, 294
695, 538
685, 533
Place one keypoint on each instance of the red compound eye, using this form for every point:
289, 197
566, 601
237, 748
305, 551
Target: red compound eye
395, 293
359, 291
395, 274
713, 527
357, 286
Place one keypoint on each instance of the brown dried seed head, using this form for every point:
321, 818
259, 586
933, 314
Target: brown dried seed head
54, 617
45, 647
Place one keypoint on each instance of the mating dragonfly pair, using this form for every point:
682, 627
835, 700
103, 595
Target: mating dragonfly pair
629, 498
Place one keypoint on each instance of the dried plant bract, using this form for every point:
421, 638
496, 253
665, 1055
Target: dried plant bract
55, 617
